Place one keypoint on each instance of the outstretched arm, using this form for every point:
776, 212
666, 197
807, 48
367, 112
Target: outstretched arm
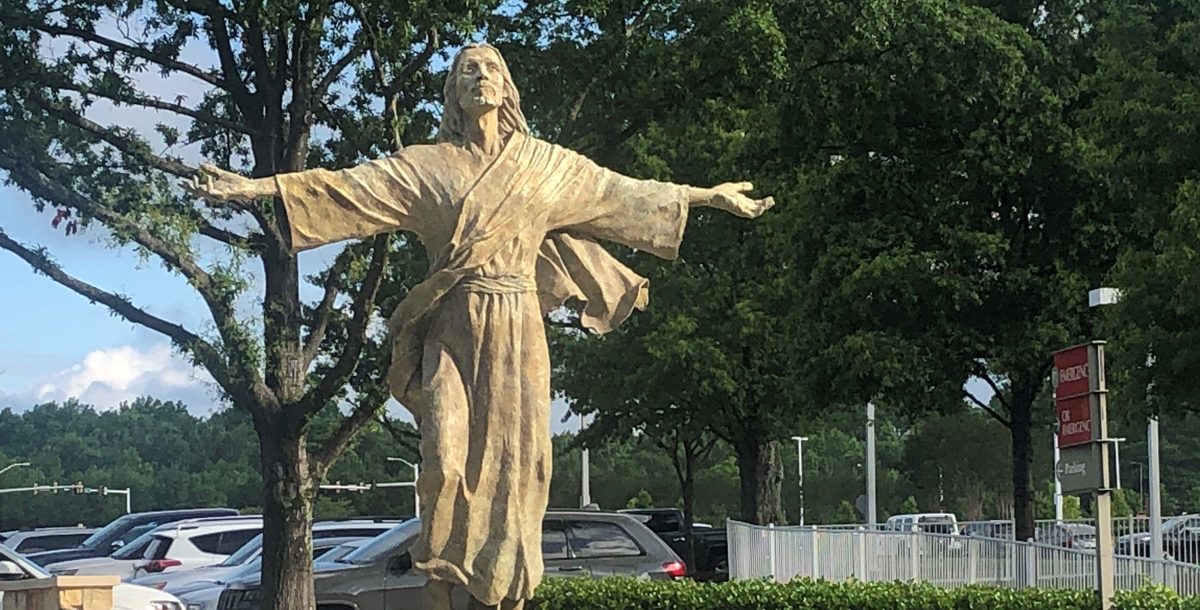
215, 184
730, 197
325, 206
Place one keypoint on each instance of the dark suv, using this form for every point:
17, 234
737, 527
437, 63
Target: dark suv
575, 544
123, 530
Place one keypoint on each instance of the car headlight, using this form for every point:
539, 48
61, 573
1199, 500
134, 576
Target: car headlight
166, 606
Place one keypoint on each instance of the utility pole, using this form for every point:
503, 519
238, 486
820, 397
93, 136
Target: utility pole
871, 515
800, 481
585, 483
416, 475
1058, 496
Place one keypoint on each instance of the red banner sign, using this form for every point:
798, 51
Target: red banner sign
1074, 420
1071, 372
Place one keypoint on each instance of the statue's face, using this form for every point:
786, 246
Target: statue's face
480, 83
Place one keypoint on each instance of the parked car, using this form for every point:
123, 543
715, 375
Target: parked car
997, 529
13, 567
342, 530
712, 546
1070, 535
204, 595
175, 546
122, 531
46, 539
1181, 540
575, 544
929, 523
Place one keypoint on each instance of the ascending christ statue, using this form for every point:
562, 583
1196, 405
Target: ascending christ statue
509, 222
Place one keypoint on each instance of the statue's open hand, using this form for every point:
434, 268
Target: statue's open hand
215, 184
731, 197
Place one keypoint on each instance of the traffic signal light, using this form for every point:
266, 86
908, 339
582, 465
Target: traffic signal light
103, 490
78, 489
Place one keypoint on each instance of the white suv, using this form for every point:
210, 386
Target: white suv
14, 567
181, 545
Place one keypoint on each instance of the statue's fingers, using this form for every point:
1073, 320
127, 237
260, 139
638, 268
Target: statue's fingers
742, 187
209, 184
212, 170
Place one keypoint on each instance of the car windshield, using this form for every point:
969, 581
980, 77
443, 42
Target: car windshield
249, 571
108, 533
384, 543
244, 554
1181, 522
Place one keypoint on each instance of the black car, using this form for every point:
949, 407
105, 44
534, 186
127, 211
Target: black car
712, 547
124, 529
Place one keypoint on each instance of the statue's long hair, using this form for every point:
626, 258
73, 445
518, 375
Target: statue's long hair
511, 117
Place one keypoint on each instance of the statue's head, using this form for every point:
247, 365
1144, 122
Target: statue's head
479, 82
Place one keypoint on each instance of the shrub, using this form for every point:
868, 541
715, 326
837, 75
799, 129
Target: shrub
627, 594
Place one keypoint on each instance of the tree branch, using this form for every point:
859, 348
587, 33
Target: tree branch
219, 304
982, 372
990, 411
204, 352
341, 437
112, 137
323, 310
149, 102
356, 331
336, 70
405, 438
171, 64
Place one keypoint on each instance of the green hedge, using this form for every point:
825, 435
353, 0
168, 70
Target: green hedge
624, 594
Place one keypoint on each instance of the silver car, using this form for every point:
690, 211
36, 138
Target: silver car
575, 544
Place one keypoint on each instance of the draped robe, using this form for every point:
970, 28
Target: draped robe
509, 238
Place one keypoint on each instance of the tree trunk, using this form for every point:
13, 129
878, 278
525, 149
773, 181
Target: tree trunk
687, 485
760, 471
287, 578
1022, 462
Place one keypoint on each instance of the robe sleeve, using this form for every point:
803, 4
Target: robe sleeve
325, 206
643, 214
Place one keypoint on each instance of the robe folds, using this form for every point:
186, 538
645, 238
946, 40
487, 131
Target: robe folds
510, 238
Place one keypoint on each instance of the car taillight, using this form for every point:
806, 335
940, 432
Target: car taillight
675, 569
159, 565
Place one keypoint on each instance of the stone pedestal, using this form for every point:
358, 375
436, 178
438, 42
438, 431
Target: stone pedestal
60, 593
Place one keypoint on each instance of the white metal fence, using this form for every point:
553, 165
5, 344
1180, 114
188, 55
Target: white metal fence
784, 553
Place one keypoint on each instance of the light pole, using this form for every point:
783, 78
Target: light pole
2, 471
14, 465
1109, 296
871, 465
416, 475
800, 481
585, 474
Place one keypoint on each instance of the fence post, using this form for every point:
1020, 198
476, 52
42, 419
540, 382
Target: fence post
914, 541
815, 567
1030, 565
862, 557
771, 552
972, 560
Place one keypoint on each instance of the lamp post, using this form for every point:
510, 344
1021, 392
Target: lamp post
800, 481
1109, 296
416, 475
2, 471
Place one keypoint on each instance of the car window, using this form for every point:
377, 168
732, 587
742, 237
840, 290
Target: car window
397, 538
244, 554
37, 544
158, 547
223, 543
137, 532
594, 539
554, 540
135, 549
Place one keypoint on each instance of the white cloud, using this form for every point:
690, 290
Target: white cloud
107, 377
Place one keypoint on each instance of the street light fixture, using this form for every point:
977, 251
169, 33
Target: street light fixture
416, 475
11, 466
800, 481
